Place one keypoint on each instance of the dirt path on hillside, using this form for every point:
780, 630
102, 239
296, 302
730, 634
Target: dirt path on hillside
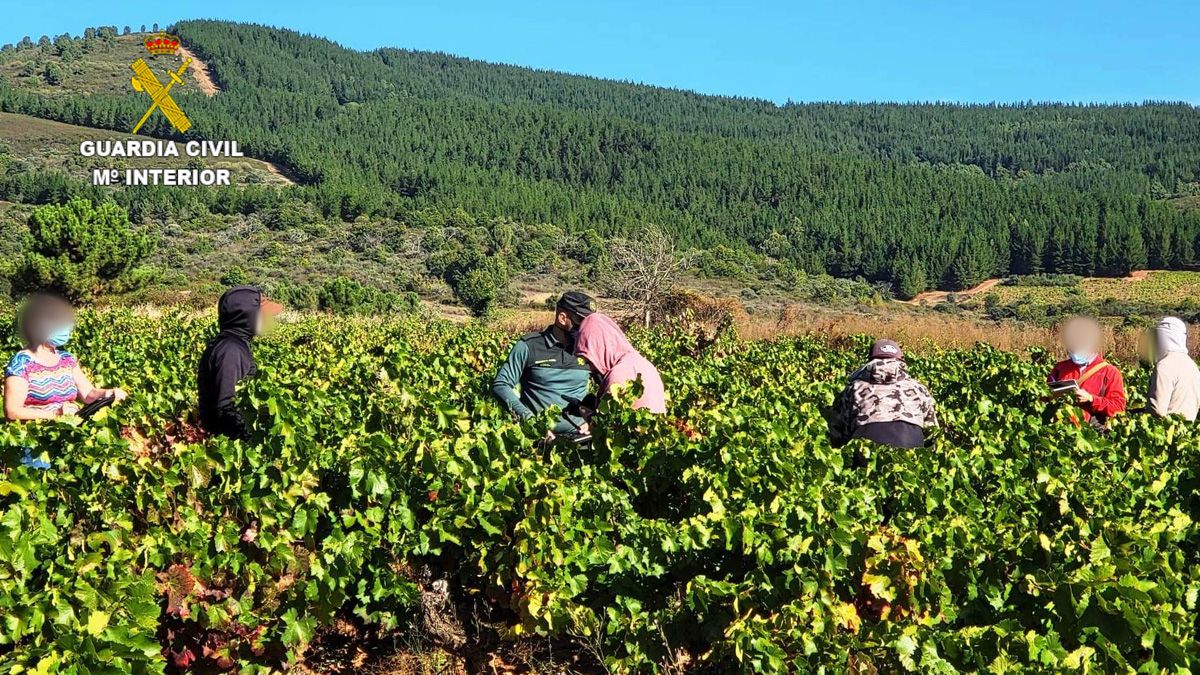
277, 170
1139, 275
934, 297
200, 73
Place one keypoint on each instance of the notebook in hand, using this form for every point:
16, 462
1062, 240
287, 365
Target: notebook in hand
95, 406
1063, 387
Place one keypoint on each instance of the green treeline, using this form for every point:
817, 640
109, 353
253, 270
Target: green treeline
915, 195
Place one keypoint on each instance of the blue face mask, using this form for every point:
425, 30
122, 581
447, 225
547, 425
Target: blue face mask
1082, 359
61, 336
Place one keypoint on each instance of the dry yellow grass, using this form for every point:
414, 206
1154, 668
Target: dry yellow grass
916, 329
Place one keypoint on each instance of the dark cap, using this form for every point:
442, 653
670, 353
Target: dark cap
886, 349
579, 304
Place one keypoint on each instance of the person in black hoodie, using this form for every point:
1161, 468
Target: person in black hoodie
227, 360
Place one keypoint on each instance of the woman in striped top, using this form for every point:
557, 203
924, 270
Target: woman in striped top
44, 381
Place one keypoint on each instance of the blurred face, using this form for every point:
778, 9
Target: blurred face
264, 323
265, 317
1147, 347
47, 320
1081, 336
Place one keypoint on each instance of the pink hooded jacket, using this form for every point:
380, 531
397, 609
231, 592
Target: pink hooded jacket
602, 342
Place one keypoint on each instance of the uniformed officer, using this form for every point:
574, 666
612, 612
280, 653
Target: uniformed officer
542, 370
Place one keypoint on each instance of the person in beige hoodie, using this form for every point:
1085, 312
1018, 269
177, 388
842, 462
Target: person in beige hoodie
1175, 381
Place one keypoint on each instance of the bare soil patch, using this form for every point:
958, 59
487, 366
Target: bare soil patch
934, 297
200, 74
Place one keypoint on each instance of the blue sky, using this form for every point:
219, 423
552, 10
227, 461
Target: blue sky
900, 50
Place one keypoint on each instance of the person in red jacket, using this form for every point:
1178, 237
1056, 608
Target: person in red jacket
1101, 389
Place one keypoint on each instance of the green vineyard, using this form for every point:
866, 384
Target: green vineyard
724, 536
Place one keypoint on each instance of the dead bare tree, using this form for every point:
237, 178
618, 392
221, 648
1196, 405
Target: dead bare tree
644, 268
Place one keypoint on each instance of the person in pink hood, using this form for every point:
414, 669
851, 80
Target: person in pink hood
604, 345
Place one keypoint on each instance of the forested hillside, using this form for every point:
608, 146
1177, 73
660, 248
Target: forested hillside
915, 195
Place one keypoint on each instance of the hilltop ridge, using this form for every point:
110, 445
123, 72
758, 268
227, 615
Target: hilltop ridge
915, 196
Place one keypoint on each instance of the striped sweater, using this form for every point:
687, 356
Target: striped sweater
49, 386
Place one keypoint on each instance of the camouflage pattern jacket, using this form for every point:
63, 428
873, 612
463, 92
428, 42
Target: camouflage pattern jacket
880, 391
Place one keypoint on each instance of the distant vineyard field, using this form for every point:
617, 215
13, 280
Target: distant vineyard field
383, 487
1154, 287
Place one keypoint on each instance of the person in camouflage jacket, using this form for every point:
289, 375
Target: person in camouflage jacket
883, 403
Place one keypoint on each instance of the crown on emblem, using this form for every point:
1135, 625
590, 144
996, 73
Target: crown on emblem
161, 43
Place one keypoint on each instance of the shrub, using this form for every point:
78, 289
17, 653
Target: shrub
478, 281
725, 262
911, 281
235, 276
293, 296
343, 295
478, 290
53, 74
81, 250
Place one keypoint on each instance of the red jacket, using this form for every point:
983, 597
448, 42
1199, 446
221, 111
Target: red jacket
1106, 386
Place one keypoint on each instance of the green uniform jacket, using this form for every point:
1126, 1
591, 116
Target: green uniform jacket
548, 374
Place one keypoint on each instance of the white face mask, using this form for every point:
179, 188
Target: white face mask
1082, 359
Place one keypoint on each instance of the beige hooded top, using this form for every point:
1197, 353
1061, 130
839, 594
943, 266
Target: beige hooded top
1175, 381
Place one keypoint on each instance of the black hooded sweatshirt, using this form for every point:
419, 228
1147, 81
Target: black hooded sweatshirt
227, 360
